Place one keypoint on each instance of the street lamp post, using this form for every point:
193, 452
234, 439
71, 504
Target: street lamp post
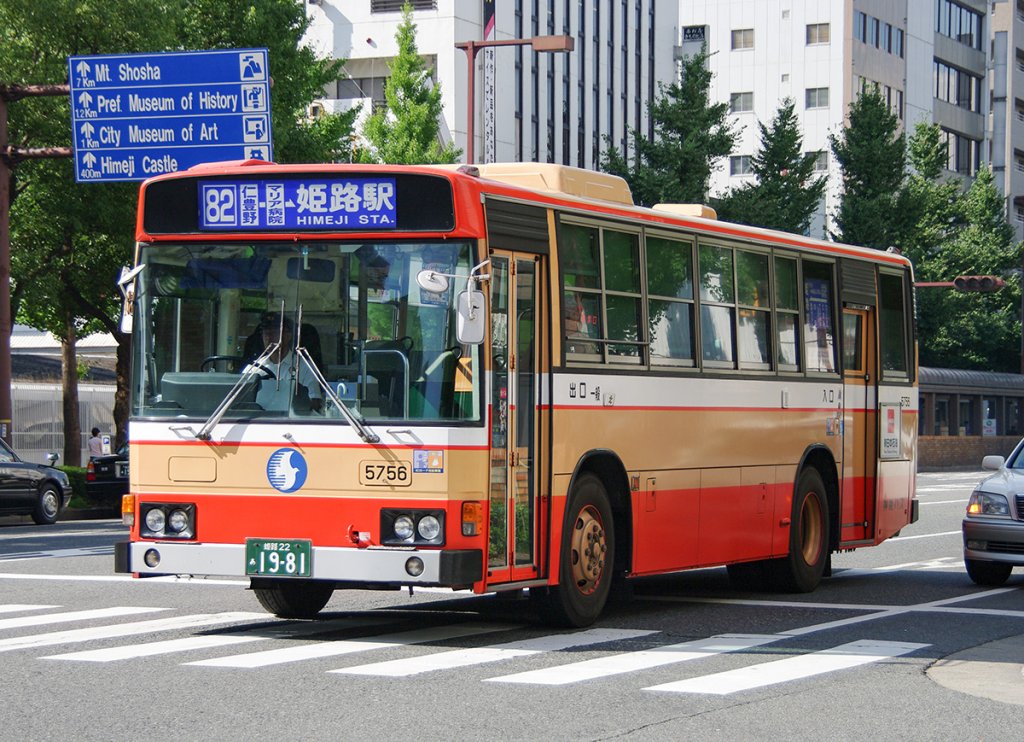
539, 44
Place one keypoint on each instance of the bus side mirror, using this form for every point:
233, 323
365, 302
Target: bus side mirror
469, 328
126, 282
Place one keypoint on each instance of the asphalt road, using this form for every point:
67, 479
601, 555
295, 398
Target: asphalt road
898, 643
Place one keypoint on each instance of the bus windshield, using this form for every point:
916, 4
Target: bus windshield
292, 330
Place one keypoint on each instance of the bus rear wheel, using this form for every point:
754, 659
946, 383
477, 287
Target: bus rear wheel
587, 559
287, 599
801, 571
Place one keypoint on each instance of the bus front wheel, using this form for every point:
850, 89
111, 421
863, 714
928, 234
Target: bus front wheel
587, 559
801, 571
287, 599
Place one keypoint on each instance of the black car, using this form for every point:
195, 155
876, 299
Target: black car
32, 489
106, 478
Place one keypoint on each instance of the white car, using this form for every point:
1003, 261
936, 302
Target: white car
993, 527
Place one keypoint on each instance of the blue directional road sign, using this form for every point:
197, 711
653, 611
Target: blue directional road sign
134, 116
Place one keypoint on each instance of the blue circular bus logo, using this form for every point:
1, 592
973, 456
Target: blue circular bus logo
286, 469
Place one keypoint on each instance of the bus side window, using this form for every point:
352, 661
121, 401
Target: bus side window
892, 323
819, 319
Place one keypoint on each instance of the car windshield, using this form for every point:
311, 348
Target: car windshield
295, 330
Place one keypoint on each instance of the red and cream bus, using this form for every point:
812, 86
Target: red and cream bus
501, 377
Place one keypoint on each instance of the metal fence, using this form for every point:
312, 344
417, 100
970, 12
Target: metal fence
37, 427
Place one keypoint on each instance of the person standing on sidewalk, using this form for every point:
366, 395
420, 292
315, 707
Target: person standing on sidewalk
95, 444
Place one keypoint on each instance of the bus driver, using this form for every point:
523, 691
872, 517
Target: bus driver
274, 393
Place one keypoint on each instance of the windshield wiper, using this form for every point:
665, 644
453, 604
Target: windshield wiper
251, 369
364, 432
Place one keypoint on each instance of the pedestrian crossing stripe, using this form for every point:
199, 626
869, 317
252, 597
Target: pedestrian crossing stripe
481, 655
843, 657
617, 664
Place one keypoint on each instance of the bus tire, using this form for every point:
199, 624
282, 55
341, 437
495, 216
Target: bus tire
286, 599
587, 559
990, 574
801, 571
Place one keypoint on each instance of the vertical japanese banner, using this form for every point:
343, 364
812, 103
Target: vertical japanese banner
489, 84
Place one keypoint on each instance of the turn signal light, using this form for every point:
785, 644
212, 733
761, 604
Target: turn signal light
128, 510
472, 518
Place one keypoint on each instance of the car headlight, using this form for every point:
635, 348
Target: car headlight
156, 520
404, 528
985, 503
429, 528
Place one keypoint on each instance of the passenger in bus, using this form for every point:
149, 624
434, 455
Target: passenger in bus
275, 394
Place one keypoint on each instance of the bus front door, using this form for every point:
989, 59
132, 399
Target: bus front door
513, 548
860, 398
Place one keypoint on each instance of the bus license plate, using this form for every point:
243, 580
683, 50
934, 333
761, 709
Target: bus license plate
384, 473
270, 558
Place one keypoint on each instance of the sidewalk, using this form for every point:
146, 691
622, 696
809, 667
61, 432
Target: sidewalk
994, 671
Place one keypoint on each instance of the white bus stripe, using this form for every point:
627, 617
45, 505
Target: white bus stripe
151, 649
481, 655
617, 664
51, 618
73, 636
18, 607
843, 657
350, 646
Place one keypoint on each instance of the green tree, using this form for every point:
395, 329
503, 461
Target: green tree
690, 135
406, 129
932, 199
68, 240
973, 330
871, 151
785, 193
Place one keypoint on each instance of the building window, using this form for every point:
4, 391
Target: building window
1019, 108
897, 42
820, 160
1018, 160
395, 6
964, 153
957, 87
816, 98
740, 165
873, 31
886, 41
741, 102
743, 38
860, 26
817, 33
959, 23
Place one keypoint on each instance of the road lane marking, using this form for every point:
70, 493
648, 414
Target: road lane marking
617, 664
169, 579
52, 618
843, 657
495, 653
18, 607
73, 636
151, 649
350, 646
922, 535
24, 556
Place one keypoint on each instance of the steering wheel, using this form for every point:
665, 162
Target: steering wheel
237, 361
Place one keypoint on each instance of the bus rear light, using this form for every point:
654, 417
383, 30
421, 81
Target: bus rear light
472, 518
128, 510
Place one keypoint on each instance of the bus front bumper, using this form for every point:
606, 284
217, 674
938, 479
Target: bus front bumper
368, 566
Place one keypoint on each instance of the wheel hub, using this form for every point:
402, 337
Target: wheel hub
589, 546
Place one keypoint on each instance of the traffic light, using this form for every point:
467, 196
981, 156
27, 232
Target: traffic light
978, 283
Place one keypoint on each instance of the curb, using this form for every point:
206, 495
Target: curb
994, 671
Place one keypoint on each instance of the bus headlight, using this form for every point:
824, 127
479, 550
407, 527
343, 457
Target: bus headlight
167, 520
412, 527
404, 528
429, 528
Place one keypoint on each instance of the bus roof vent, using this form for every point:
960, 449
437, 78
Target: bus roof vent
572, 181
704, 212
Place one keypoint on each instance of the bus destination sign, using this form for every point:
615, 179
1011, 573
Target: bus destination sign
134, 116
305, 204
